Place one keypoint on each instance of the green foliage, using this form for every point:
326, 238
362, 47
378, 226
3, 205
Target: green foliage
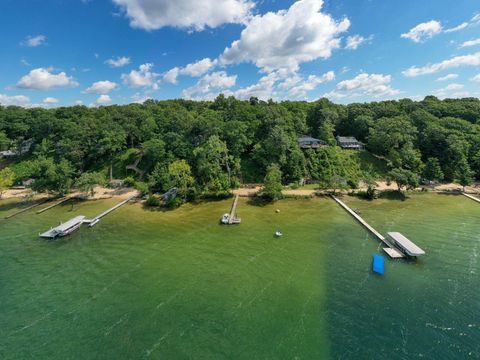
180, 176
404, 178
272, 184
464, 173
89, 180
7, 179
433, 170
51, 176
129, 181
142, 187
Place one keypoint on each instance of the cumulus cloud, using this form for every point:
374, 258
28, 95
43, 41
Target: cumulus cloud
309, 84
448, 77
103, 99
34, 41
44, 79
118, 62
470, 43
476, 78
376, 85
50, 100
455, 62
190, 14
15, 100
101, 87
214, 81
143, 77
353, 42
195, 69
447, 91
287, 38
264, 89
423, 31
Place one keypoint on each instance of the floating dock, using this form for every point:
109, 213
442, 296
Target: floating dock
471, 197
390, 249
404, 244
233, 213
105, 213
65, 228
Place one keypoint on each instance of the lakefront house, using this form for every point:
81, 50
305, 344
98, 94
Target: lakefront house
349, 142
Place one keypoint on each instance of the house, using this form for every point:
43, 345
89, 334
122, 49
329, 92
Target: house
349, 142
7, 154
307, 142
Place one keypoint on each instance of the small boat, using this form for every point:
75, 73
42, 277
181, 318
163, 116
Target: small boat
225, 219
278, 233
93, 222
378, 266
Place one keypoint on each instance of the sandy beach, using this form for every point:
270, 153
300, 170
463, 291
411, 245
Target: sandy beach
100, 193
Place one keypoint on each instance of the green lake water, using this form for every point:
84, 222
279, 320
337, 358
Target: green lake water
148, 284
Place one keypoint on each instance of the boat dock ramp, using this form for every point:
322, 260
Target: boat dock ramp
233, 219
396, 245
471, 197
75, 223
61, 201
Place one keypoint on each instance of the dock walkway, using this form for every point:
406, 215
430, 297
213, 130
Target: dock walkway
471, 197
232, 218
105, 213
390, 249
61, 201
26, 209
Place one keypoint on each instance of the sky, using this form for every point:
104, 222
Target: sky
102, 52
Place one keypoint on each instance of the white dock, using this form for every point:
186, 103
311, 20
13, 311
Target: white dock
233, 219
105, 213
64, 228
389, 249
471, 197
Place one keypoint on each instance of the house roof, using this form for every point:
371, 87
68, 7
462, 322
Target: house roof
309, 139
347, 139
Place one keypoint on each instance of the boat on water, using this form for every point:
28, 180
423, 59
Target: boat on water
64, 229
378, 265
278, 233
225, 219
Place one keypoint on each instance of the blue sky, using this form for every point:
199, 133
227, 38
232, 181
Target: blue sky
101, 52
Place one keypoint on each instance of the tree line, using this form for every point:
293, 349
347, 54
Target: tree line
205, 148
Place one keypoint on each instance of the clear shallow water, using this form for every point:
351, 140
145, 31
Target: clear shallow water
176, 285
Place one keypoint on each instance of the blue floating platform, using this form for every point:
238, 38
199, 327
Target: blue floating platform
378, 264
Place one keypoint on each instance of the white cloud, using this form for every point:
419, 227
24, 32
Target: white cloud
448, 77
118, 62
447, 91
216, 80
78, 102
353, 42
287, 38
190, 14
15, 100
50, 100
195, 69
376, 85
423, 31
103, 99
457, 61
101, 87
264, 89
457, 28
44, 79
143, 77
476, 78
34, 41
311, 83
453, 86
471, 43
140, 99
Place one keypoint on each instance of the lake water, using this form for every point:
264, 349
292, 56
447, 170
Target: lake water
176, 285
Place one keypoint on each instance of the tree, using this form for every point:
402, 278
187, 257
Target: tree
87, 182
404, 178
326, 133
433, 170
272, 184
180, 176
7, 178
464, 173
51, 176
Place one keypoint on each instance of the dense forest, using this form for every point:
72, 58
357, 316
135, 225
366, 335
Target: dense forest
206, 148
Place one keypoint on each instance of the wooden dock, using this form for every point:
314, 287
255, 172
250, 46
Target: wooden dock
26, 209
61, 201
232, 218
471, 197
105, 213
389, 249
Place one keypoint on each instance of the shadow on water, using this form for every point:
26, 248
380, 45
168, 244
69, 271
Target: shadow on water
393, 195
